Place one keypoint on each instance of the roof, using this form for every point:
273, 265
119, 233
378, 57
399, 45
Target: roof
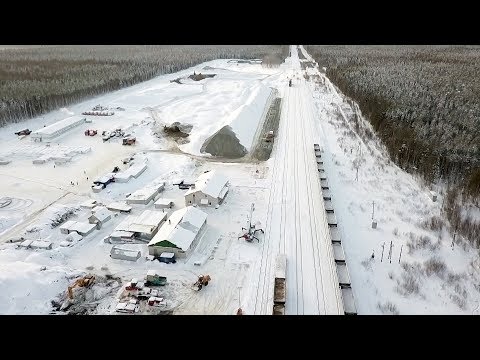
119, 206
101, 213
162, 201
41, 244
104, 179
77, 226
89, 203
74, 236
146, 222
182, 227
120, 234
59, 125
210, 183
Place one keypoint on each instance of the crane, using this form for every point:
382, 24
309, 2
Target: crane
249, 234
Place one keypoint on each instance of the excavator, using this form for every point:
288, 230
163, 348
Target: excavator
202, 281
85, 281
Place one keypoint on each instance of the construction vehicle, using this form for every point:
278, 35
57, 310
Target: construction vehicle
280, 289
85, 281
249, 234
153, 278
89, 132
23, 132
129, 141
201, 282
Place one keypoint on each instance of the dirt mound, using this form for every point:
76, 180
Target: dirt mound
224, 143
178, 129
200, 76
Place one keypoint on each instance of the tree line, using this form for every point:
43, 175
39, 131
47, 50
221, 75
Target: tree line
422, 102
34, 81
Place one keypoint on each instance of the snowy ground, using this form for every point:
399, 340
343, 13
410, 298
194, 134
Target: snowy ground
431, 277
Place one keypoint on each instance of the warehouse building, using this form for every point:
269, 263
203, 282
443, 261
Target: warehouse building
180, 234
50, 132
144, 226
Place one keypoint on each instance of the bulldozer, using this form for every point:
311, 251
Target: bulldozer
85, 281
201, 282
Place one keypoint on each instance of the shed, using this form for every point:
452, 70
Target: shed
25, 244
89, 204
100, 215
164, 203
73, 236
120, 237
39, 244
124, 254
81, 228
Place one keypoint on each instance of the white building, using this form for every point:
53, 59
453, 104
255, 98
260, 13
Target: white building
81, 228
120, 207
56, 129
145, 225
180, 234
145, 195
210, 189
100, 215
163, 203
133, 171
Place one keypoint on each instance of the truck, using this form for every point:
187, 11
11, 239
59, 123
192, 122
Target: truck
269, 136
280, 286
129, 140
153, 278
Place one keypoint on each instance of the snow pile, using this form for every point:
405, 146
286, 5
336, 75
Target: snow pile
244, 120
29, 288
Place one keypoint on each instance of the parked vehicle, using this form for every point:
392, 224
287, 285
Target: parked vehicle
23, 132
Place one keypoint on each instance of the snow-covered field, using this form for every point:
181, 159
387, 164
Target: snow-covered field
430, 278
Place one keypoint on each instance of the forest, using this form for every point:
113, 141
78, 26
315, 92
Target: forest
422, 102
37, 80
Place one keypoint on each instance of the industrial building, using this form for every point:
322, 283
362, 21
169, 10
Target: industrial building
210, 189
133, 171
180, 234
50, 132
145, 195
143, 226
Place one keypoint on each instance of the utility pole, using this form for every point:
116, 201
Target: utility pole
383, 248
373, 209
390, 252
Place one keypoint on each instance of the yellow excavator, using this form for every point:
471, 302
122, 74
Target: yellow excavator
85, 281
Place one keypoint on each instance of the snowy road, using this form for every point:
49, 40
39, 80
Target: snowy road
296, 220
